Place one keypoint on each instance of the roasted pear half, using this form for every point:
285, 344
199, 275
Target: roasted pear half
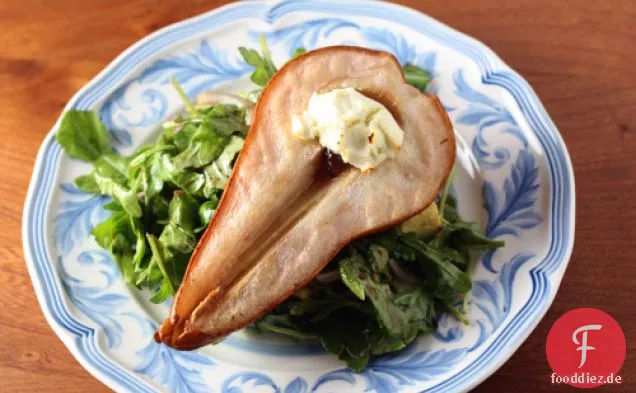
283, 216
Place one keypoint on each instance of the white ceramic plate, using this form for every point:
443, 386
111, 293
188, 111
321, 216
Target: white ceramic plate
515, 178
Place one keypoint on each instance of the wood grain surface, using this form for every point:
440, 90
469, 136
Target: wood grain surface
579, 55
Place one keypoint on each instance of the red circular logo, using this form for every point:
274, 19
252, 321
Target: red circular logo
586, 348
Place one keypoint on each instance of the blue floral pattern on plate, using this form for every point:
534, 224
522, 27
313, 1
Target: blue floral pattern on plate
521, 166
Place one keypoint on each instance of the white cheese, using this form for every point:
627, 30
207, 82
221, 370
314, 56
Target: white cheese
348, 123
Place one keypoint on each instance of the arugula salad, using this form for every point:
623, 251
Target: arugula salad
376, 296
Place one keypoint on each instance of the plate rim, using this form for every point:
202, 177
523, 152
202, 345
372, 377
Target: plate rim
489, 65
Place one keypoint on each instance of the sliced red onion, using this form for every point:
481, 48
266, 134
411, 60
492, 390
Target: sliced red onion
401, 273
328, 277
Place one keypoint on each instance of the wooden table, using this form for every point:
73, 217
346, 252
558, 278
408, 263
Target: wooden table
579, 55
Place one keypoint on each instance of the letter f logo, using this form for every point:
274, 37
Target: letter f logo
584, 347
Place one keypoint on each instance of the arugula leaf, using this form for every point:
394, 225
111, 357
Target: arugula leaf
156, 217
83, 135
465, 234
140, 242
416, 77
298, 52
225, 119
183, 137
112, 166
217, 174
399, 321
353, 276
282, 324
403, 252
167, 287
383, 343
190, 182
417, 304
110, 178
205, 146
178, 235
170, 252
449, 280
87, 183
123, 195
379, 257
207, 209
117, 235
264, 67
182, 94
206, 141
186, 180
346, 334
147, 178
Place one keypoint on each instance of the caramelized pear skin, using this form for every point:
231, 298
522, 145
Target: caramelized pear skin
281, 220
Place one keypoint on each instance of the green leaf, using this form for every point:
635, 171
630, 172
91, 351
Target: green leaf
184, 136
158, 209
380, 257
210, 138
393, 318
112, 166
167, 287
267, 57
83, 135
183, 211
217, 174
282, 324
347, 335
416, 77
449, 280
449, 213
251, 56
117, 224
473, 238
299, 52
356, 364
226, 119
164, 291
147, 153
260, 76
182, 94
140, 242
87, 183
353, 275
178, 239
207, 209
264, 67
359, 279
205, 146
382, 343
417, 304
117, 236
178, 235
123, 195
148, 179
464, 234
112, 206
402, 252
188, 181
